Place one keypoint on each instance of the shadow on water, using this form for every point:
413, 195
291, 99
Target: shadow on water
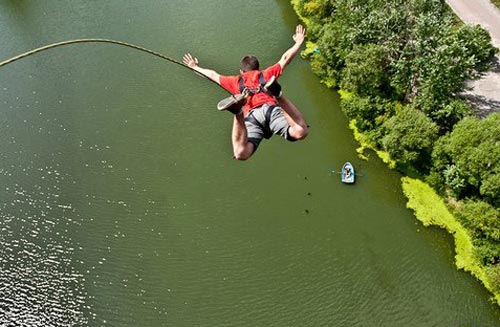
22, 9
289, 17
19, 18
20, 4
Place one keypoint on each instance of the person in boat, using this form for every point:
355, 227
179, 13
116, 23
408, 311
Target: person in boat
259, 107
348, 172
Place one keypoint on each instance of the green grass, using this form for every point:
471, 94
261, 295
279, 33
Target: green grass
366, 143
496, 3
420, 196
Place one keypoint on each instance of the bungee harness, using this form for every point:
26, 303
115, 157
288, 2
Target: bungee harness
248, 91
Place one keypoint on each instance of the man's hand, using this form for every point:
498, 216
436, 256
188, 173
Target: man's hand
190, 61
299, 35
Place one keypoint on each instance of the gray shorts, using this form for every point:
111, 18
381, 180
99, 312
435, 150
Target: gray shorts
264, 121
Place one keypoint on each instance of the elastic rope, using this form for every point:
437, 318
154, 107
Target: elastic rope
58, 44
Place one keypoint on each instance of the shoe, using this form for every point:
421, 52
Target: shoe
233, 104
273, 88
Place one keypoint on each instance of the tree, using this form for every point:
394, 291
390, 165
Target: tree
316, 13
483, 222
474, 148
364, 71
409, 136
443, 58
481, 218
369, 112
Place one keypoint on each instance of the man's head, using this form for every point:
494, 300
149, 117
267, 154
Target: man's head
249, 63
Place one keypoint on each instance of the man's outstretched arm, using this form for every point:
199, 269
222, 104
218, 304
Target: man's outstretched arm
298, 37
192, 62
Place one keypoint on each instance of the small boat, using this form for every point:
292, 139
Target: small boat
347, 173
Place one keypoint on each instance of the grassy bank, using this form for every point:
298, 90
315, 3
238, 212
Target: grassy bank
419, 196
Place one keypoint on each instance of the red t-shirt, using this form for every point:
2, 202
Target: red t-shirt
251, 79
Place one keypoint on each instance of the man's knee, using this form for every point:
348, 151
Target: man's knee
242, 153
299, 132
304, 131
240, 156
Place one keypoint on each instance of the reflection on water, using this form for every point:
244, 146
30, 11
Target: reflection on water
39, 281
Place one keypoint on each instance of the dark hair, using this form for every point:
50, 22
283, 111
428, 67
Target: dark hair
249, 63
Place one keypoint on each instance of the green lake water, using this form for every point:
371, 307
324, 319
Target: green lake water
121, 205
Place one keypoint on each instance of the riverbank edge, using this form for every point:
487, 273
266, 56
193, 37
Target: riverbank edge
419, 195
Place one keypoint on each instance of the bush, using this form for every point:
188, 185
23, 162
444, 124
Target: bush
364, 71
472, 151
481, 219
493, 277
409, 137
369, 112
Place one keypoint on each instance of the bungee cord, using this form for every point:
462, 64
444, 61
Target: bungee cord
92, 40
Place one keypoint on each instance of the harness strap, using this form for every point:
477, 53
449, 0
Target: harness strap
269, 112
242, 85
252, 91
262, 81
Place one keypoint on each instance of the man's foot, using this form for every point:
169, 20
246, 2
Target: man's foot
233, 103
272, 87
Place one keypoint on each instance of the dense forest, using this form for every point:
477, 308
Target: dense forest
401, 66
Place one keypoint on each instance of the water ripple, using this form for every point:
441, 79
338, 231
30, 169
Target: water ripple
38, 281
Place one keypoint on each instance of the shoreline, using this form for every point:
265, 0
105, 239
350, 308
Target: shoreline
419, 194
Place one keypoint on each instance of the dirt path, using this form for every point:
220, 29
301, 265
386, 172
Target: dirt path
485, 93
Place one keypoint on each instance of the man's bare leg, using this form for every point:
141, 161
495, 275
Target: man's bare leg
242, 149
298, 126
